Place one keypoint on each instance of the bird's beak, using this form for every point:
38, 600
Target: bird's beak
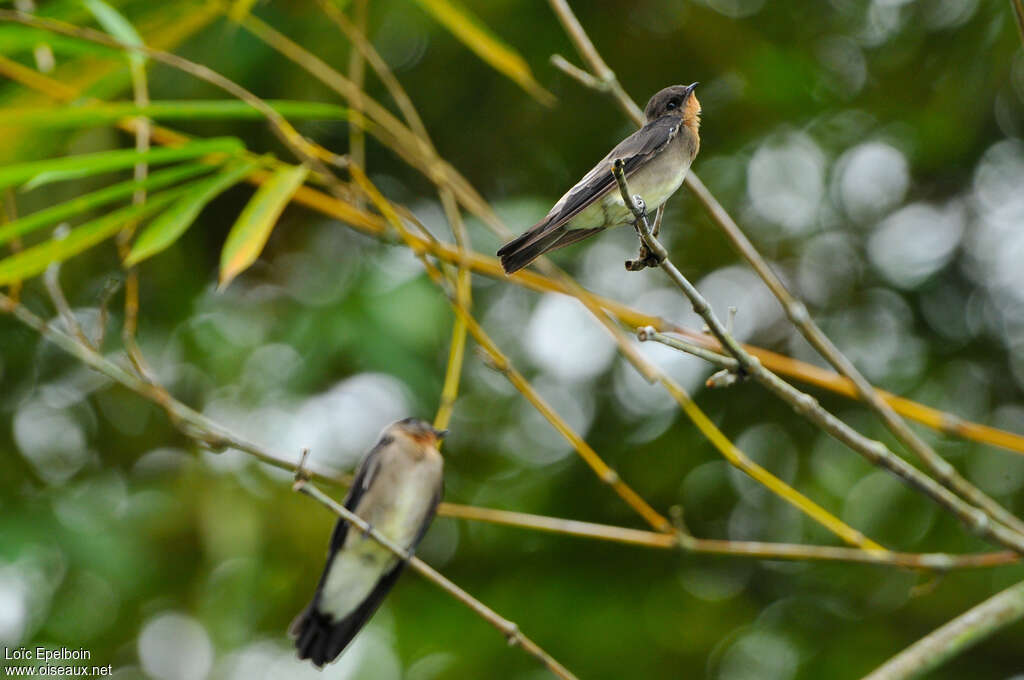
690, 88
440, 434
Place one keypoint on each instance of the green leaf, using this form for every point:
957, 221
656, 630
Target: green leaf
477, 37
252, 228
114, 23
108, 113
36, 259
84, 165
175, 221
80, 204
17, 39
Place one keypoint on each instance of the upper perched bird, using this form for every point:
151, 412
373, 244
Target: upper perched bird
396, 490
656, 158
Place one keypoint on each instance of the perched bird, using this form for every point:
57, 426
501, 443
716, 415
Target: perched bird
656, 158
396, 490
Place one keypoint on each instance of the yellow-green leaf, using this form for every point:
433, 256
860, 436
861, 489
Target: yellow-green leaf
252, 228
47, 217
114, 23
175, 221
36, 259
487, 46
39, 173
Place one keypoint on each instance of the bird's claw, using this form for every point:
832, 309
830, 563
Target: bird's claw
644, 259
639, 201
368, 530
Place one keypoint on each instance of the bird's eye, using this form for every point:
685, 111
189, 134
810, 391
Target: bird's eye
672, 104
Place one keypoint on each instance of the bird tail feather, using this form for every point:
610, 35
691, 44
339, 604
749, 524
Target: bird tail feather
523, 250
321, 639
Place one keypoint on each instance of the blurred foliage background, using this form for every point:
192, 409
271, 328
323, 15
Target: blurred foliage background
870, 148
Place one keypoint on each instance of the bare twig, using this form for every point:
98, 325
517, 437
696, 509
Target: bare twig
590, 55
797, 312
212, 434
963, 632
143, 131
575, 72
751, 549
507, 628
501, 363
51, 280
489, 266
356, 73
804, 404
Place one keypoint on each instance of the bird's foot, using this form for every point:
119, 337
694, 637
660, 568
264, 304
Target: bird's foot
644, 259
368, 530
639, 201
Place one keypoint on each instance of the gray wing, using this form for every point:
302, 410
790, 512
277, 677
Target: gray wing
634, 151
364, 475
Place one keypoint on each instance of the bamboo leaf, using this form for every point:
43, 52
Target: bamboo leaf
36, 259
17, 39
83, 165
80, 204
109, 113
175, 221
477, 37
114, 23
252, 228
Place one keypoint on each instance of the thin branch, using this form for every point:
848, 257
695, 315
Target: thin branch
356, 73
464, 297
952, 639
489, 266
507, 628
749, 549
51, 281
502, 364
193, 424
211, 434
794, 308
806, 405
143, 132
590, 55
576, 73
948, 423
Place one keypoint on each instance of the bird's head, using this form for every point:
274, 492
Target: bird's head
418, 430
676, 100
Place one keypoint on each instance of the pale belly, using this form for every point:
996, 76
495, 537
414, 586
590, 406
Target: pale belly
654, 182
359, 565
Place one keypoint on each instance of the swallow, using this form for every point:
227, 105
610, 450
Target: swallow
396, 490
656, 157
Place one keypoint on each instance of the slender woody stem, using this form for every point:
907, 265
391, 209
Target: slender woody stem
507, 628
963, 632
875, 451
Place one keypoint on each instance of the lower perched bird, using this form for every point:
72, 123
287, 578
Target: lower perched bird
656, 157
396, 490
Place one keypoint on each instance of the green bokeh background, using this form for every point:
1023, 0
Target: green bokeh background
118, 536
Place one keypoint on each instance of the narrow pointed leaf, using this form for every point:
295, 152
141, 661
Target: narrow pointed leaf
109, 113
80, 204
114, 23
83, 165
477, 37
175, 221
36, 259
252, 228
